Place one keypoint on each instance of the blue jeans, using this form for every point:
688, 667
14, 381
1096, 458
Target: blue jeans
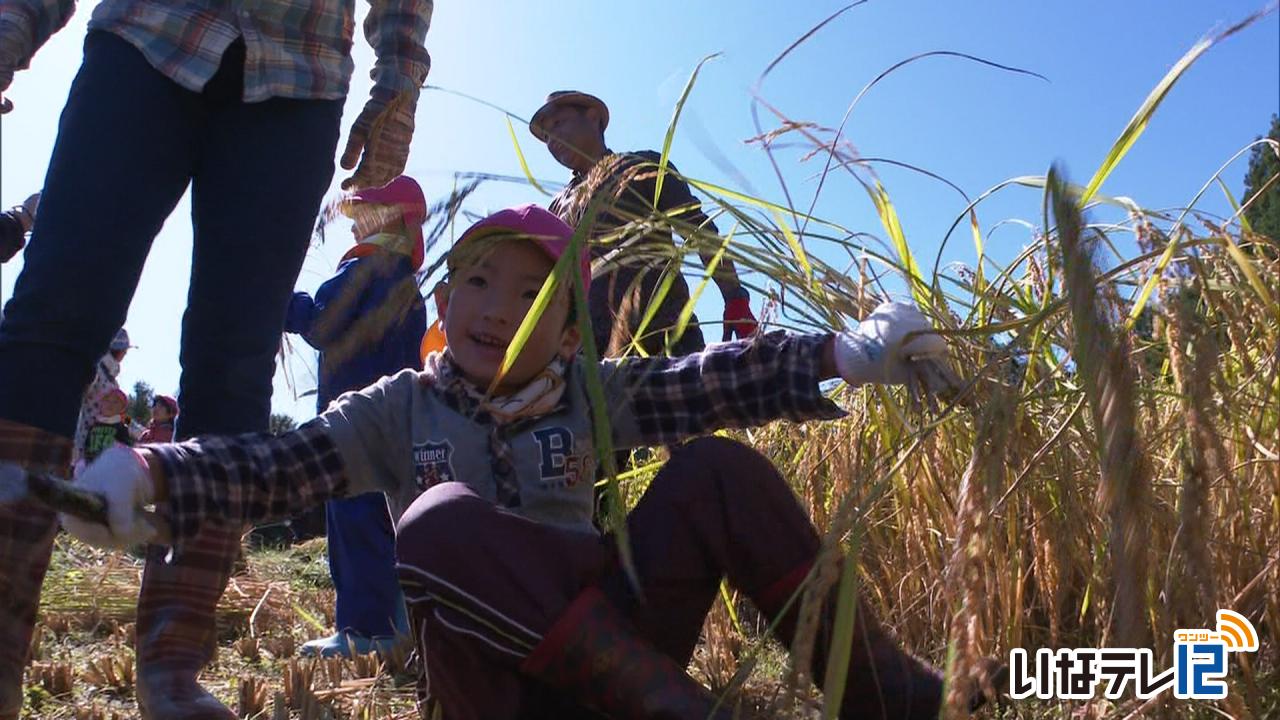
129, 142
362, 563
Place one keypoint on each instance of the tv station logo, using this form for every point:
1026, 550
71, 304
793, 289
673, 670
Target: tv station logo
1198, 673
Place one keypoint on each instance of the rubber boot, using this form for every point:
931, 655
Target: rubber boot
883, 682
177, 631
348, 642
592, 654
26, 543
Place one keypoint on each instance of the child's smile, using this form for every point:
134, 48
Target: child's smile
486, 342
484, 305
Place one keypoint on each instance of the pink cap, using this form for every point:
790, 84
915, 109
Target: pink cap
538, 224
403, 191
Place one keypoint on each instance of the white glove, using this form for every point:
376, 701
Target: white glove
873, 352
26, 212
121, 476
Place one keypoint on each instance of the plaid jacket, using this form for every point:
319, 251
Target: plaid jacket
295, 48
626, 181
393, 434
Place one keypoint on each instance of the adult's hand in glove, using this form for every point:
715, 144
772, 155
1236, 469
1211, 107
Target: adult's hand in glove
879, 350
379, 138
7, 65
121, 476
738, 319
26, 212
11, 43
31, 204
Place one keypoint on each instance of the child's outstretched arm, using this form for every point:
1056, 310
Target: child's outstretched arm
771, 376
337, 302
360, 444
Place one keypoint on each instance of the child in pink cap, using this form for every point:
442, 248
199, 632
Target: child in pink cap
164, 411
520, 607
366, 321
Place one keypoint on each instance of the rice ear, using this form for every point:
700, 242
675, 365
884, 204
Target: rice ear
1102, 361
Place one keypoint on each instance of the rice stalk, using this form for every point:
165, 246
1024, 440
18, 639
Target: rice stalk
1200, 461
251, 697
1108, 380
112, 671
717, 656
969, 581
57, 677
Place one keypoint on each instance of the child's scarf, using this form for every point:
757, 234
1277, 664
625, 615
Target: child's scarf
502, 415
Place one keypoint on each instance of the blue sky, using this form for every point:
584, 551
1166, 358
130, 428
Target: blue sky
974, 125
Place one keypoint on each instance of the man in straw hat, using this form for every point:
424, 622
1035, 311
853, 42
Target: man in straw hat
367, 321
243, 103
629, 269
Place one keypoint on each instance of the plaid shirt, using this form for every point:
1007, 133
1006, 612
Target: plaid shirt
627, 182
295, 48
252, 478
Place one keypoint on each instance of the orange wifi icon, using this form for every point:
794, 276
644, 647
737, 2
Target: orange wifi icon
1237, 632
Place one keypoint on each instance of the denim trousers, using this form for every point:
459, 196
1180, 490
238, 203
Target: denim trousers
130, 141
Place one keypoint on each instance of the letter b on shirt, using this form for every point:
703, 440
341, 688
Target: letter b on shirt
555, 444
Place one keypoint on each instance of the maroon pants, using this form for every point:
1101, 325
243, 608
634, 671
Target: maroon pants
484, 585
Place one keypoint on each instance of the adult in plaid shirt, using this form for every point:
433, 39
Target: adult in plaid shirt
512, 591
241, 101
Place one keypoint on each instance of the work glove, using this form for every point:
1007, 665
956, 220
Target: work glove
11, 44
738, 320
25, 214
12, 240
379, 138
30, 205
121, 477
10, 245
875, 351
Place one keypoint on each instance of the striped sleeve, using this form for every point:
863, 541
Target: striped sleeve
25, 25
248, 479
746, 383
397, 31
